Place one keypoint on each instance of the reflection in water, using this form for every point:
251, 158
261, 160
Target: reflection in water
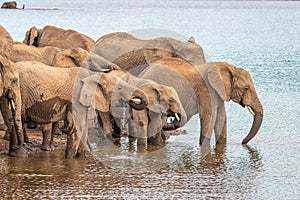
227, 171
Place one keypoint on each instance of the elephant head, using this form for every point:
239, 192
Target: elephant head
9, 5
105, 90
232, 83
10, 89
70, 58
164, 100
10, 79
31, 37
57, 37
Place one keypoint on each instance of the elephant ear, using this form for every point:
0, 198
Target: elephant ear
91, 94
215, 79
31, 36
97, 63
154, 93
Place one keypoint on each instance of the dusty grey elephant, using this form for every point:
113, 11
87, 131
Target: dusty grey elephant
57, 37
128, 52
190, 63
50, 94
47, 55
203, 89
163, 102
10, 103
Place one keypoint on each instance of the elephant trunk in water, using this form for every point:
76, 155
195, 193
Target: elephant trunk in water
16, 128
257, 111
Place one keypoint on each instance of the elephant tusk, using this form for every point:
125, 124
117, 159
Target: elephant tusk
251, 111
177, 117
12, 103
136, 100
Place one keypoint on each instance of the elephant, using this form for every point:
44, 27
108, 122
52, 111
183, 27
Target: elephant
163, 102
23, 52
142, 123
203, 89
10, 105
6, 42
128, 52
48, 55
50, 94
70, 58
57, 37
9, 5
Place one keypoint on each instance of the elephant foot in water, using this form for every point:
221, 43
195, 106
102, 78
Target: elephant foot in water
21, 153
159, 138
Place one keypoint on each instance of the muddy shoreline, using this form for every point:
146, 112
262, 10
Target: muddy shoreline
35, 138
59, 141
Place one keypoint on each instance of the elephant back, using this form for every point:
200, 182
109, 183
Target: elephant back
129, 52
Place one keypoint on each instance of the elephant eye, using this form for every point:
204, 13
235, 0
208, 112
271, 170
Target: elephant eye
15, 80
171, 100
247, 88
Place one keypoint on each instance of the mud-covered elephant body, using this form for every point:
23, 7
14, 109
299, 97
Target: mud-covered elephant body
51, 94
10, 103
203, 89
57, 37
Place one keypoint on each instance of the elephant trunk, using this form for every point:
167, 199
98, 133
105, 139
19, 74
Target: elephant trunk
139, 100
257, 111
16, 127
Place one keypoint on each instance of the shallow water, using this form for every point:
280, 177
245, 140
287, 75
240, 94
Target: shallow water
262, 37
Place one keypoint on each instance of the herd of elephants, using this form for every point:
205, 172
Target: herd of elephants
142, 87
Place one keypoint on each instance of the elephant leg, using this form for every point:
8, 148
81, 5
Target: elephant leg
220, 126
72, 144
132, 132
26, 139
156, 139
6, 136
140, 122
207, 121
20, 152
15, 142
76, 144
47, 137
105, 123
3, 126
116, 130
142, 137
55, 129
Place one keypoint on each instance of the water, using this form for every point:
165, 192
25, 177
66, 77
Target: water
260, 36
